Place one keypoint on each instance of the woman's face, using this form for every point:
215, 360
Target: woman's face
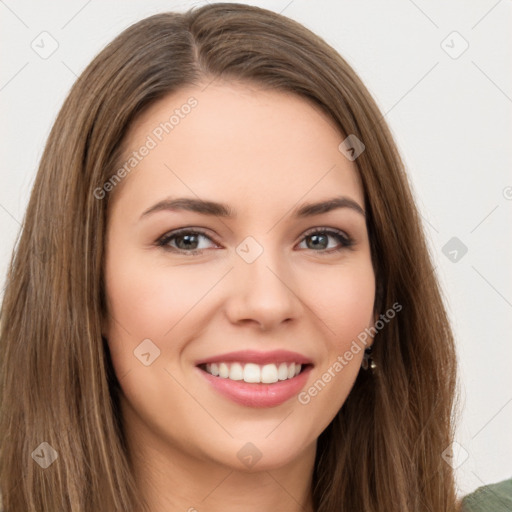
249, 293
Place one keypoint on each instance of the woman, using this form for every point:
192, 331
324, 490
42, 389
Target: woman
157, 374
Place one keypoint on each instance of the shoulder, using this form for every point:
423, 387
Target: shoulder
495, 497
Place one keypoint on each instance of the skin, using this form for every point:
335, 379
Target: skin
263, 153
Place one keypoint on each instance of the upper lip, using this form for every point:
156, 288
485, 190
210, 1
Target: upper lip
253, 356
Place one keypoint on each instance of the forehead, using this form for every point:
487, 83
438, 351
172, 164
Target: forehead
238, 143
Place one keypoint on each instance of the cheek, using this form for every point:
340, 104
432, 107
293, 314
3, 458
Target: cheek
343, 298
156, 302
151, 299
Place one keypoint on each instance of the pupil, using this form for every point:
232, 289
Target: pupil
186, 239
315, 238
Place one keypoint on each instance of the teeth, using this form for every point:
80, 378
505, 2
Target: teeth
236, 372
282, 371
254, 373
269, 374
223, 370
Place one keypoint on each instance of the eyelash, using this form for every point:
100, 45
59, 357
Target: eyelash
163, 241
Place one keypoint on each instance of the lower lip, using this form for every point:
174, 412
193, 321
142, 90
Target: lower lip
258, 394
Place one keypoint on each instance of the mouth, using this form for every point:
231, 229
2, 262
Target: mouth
253, 373
255, 379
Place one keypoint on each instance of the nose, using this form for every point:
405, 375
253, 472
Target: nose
264, 293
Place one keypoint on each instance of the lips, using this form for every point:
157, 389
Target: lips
261, 358
257, 379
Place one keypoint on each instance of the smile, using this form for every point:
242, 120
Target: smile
253, 378
252, 372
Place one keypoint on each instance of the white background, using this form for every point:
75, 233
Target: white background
451, 118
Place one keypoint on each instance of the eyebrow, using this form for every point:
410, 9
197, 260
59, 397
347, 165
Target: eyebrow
205, 207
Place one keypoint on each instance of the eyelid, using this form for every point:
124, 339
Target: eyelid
326, 229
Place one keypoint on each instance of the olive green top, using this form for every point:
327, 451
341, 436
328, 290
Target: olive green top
490, 498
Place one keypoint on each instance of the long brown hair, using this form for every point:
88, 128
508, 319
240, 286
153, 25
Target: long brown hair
383, 450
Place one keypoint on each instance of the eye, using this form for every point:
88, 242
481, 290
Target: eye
319, 240
185, 241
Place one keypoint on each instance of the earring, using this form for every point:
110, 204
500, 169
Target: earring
368, 361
